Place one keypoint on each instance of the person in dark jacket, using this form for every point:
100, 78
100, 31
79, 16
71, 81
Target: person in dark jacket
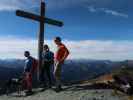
48, 60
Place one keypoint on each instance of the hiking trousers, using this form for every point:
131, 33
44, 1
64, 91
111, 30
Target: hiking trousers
57, 73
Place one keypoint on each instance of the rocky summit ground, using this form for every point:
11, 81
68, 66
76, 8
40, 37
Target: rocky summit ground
75, 92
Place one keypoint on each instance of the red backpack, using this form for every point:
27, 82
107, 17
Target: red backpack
34, 65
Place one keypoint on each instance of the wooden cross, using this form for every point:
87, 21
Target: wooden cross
42, 19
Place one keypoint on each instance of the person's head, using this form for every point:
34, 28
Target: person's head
26, 53
45, 47
57, 40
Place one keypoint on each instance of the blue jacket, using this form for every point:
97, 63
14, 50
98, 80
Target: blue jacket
28, 64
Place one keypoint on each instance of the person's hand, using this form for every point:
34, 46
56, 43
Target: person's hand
61, 61
23, 73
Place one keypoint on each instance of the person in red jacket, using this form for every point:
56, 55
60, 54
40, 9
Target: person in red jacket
60, 56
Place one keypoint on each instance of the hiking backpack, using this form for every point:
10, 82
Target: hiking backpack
34, 65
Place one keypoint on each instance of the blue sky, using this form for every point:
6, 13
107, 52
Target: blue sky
95, 21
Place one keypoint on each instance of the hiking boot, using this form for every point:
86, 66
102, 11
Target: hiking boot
58, 89
49, 85
29, 92
43, 85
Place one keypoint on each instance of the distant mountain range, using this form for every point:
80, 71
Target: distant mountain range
73, 70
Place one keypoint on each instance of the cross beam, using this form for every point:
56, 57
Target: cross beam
38, 18
42, 20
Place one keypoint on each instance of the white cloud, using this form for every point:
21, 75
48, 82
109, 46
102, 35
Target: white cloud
7, 8
107, 11
8, 5
115, 13
86, 49
92, 9
52, 4
11, 5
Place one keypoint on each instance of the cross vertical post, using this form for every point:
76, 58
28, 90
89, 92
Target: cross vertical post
41, 38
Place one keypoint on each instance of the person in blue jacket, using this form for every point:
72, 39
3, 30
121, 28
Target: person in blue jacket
28, 71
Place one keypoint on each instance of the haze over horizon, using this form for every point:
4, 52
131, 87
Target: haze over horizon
92, 29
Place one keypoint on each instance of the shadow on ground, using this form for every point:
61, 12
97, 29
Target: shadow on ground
78, 87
